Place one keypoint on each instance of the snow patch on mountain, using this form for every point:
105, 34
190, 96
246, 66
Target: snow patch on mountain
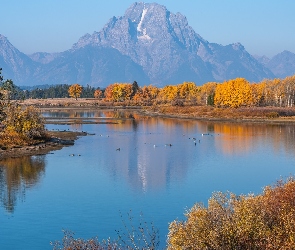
140, 30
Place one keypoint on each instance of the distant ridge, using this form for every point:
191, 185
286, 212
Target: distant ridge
282, 64
148, 44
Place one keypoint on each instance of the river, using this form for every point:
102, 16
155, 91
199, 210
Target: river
148, 167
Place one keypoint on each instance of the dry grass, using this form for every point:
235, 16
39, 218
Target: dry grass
209, 112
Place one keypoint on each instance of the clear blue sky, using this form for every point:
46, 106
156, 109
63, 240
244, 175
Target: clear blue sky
264, 27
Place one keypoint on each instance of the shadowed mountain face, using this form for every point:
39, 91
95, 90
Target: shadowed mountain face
148, 44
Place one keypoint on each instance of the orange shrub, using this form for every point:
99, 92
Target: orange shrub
265, 221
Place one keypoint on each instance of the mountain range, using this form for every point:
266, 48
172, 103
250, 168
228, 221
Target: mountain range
148, 44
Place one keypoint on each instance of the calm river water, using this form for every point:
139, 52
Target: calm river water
86, 188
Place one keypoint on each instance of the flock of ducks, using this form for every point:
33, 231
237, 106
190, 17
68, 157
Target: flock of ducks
166, 145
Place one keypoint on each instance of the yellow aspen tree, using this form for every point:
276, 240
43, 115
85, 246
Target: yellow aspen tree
258, 90
127, 91
118, 92
152, 91
187, 90
75, 90
233, 93
168, 93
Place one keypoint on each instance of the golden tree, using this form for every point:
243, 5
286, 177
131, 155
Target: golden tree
75, 90
188, 91
168, 93
258, 91
233, 93
118, 92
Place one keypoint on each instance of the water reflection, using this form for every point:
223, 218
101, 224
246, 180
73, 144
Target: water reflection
193, 144
145, 159
242, 138
72, 113
17, 175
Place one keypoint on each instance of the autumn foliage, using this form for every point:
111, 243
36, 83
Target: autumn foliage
75, 90
265, 221
233, 93
22, 126
19, 125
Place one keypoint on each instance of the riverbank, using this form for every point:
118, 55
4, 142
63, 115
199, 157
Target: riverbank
56, 141
60, 139
210, 113
272, 115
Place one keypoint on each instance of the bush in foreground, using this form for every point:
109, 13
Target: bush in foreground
265, 221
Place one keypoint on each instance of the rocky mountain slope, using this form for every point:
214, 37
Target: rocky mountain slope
148, 44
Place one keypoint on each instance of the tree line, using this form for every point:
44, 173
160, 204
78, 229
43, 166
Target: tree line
45, 92
232, 93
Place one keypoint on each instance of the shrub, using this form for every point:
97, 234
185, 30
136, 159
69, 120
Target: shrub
22, 126
265, 221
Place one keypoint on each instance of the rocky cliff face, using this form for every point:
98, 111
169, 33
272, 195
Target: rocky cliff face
148, 44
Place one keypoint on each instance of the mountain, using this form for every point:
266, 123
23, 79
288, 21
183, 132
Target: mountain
97, 66
170, 51
15, 64
44, 57
148, 44
282, 64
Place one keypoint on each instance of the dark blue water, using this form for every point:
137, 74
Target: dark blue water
89, 192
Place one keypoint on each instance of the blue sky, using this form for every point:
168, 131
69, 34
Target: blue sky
264, 27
